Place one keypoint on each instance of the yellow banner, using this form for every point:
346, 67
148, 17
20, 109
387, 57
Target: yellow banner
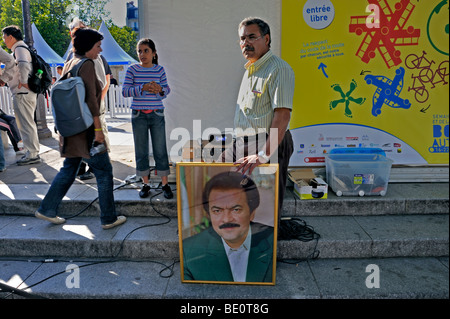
369, 73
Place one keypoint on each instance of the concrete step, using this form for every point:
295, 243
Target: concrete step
399, 278
401, 199
157, 237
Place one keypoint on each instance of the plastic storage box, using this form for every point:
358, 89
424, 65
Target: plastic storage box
358, 171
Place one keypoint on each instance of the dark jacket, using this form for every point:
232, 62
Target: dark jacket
205, 259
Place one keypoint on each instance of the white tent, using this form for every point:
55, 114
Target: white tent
44, 50
113, 53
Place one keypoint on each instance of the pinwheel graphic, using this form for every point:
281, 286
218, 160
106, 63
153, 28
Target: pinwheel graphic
388, 91
346, 98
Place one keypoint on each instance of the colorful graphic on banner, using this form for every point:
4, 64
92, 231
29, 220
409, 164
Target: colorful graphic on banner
369, 73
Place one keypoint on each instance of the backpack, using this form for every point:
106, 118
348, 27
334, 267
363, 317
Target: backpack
36, 84
70, 110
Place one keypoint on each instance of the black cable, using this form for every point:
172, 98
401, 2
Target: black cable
13, 290
17, 291
92, 202
95, 199
294, 228
146, 226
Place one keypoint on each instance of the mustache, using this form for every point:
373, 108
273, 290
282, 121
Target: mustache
247, 48
229, 225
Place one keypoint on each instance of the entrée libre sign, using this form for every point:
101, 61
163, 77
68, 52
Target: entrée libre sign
318, 14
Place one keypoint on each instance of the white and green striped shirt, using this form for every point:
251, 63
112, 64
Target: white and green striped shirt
267, 84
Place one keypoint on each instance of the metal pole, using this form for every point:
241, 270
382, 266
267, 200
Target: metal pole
27, 23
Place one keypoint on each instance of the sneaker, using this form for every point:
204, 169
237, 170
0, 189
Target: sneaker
2, 170
145, 191
167, 191
120, 220
86, 176
26, 160
55, 220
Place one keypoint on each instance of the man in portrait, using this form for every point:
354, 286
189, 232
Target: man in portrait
234, 248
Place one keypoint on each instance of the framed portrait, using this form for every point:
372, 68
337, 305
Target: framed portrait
227, 223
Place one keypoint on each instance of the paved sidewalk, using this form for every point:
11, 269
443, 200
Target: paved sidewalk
336, 275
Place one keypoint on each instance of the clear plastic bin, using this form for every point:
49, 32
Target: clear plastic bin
358, 171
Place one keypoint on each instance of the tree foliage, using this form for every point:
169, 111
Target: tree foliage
126, 38
52, 18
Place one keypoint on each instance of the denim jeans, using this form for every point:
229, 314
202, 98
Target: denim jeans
2, 154
156, 123
102, 169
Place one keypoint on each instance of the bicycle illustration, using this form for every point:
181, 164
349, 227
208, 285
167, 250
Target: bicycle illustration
426, 75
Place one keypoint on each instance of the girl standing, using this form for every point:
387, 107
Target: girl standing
147, 83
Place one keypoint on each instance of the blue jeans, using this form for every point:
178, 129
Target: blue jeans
2, 154
102, 169
156, 123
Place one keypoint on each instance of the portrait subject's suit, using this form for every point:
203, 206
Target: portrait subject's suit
205, 259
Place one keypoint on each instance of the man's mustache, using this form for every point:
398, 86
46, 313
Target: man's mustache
250, 49
229, 225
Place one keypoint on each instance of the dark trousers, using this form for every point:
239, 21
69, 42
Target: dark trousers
8, 124
285, 150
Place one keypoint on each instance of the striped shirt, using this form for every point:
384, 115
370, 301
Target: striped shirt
135, 79
267, 84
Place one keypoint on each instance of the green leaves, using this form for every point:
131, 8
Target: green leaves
51, 18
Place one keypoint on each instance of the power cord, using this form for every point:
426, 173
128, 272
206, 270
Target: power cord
92, 202
294, 228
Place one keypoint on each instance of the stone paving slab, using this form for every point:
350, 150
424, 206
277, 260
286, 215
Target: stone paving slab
24, 199
151, 237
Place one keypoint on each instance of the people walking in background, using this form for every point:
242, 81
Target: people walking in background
147, 83
24, 100
59, 70
87, 44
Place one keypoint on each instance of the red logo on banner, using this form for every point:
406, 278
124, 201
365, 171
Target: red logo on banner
314, 159
390, 33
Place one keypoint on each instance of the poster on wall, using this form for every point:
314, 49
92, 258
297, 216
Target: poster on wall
369, 73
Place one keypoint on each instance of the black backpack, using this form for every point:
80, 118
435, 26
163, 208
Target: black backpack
38, 85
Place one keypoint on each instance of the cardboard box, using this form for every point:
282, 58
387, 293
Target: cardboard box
307, 185
206, 151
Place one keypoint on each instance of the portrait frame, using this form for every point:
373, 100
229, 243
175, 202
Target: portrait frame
206, 238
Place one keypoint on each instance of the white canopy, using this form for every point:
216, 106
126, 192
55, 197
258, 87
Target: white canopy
112, 52
44, 50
